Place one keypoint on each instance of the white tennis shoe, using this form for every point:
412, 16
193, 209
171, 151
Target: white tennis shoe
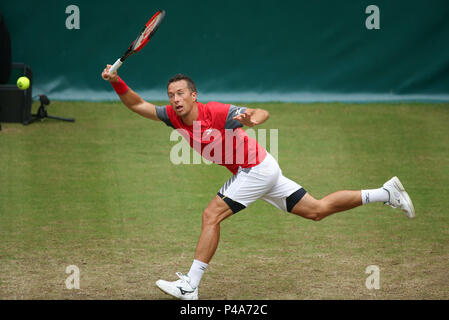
399, 198
180, 289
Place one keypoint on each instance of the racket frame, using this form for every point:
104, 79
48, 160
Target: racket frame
131, 49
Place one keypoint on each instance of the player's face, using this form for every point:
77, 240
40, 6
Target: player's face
181, 98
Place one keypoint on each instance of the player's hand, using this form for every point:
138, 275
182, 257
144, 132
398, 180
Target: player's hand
246, 119
111, 77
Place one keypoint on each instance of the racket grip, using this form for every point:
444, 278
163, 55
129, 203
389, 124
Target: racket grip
115, 66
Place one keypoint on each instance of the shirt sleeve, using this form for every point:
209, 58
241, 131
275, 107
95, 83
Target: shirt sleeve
234, 111
161, 113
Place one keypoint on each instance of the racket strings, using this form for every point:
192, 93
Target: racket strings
146, 33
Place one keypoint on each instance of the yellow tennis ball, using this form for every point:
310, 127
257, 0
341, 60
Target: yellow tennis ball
23, 83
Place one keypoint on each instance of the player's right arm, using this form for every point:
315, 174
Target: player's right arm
131, 99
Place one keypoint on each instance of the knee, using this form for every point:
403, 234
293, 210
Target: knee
313, 215
210, 218
317, 212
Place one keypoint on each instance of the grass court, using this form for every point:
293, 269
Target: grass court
102, 194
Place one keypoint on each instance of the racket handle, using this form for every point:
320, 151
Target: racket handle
115, 66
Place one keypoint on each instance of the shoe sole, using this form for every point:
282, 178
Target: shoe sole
166, 292
404, 193
171, 294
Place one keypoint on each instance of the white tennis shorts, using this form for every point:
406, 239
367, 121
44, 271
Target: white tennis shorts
264, 181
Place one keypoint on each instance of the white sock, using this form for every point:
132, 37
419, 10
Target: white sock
375, 195
196, 272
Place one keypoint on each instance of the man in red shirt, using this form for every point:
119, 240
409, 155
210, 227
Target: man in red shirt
215, 131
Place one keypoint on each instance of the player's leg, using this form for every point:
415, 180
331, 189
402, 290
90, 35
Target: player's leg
314, 209
289, 196
216, 211
236, 194
186, 287
391, 193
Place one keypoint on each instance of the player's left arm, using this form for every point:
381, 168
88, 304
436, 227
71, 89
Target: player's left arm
252, 117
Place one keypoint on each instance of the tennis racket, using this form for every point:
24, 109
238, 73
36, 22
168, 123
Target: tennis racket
144, 36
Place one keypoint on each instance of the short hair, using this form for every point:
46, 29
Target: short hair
178, 77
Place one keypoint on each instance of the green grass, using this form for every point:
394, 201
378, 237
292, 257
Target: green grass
102, 194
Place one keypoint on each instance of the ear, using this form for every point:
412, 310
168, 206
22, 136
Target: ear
194, 96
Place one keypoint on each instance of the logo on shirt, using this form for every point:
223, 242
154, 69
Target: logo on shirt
224, 147
207, 132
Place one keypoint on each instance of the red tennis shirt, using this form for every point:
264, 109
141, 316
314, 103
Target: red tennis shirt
216, 136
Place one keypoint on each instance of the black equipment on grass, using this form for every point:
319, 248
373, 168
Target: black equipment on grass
42, 111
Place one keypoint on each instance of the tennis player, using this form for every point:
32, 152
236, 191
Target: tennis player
256, 174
